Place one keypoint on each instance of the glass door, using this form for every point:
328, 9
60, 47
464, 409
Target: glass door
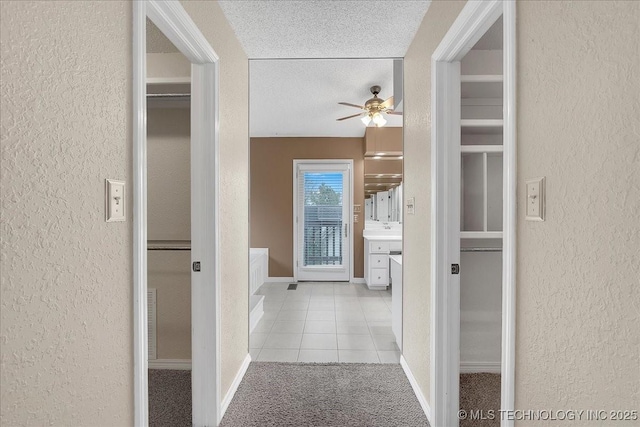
322, 221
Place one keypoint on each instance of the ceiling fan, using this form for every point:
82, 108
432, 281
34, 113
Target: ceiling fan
374, 109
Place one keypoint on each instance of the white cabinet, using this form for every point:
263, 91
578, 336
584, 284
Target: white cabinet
376, 260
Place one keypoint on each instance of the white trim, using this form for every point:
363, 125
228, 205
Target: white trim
171, 18
424, 404
171, 364
478, 367
320, 162
474, 20
445, 241
140, 335
234, 386
279, 280
510, 178
358, 281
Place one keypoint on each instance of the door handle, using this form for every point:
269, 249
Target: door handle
345, 229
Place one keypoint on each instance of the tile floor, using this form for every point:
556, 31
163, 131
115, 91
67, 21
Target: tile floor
324, 322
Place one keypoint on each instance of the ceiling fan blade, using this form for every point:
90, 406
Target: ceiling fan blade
351, 105
388, 103
348, 117
395, 113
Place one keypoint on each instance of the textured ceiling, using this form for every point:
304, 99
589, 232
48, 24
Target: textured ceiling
323, 28
300, 97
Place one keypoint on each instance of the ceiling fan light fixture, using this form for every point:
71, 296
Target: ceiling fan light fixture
366, 120
378, 120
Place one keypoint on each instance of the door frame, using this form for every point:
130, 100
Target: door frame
296, 162
474, 20
176, 24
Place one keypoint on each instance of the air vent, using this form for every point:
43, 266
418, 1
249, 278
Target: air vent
292, 287
152, 323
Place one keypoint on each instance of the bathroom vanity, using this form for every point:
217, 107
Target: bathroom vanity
379, 242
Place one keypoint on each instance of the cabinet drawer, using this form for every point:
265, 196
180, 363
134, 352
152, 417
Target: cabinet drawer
379, 276
379, 261
379, 247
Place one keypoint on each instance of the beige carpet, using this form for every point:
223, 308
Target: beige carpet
480, 393
295, 394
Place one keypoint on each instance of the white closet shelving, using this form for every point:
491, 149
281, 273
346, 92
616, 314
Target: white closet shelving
481, 128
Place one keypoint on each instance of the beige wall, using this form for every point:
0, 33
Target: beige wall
66, 324
417, 183
169, 218
578, 339
272, 194
578, 286
234, 183
66, 315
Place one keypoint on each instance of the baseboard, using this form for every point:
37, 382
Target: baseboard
175, 364
416, 388
476, 367
234, 386
279, 280
358, 281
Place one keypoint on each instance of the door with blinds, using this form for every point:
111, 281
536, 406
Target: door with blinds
322, 201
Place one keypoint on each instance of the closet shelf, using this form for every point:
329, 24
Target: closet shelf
481, 234
481, 78
481, 126
481, 148
168, 80
481, 86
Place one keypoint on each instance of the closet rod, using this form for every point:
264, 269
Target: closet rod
480, 249
168, 95
168, 245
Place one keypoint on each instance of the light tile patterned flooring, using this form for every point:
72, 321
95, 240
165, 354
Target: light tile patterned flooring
324, 322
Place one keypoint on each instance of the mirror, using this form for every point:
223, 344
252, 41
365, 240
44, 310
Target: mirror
383, 174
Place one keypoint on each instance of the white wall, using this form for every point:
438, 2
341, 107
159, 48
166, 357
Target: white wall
66, 327
578, 286
578, 341
417, 183
66, 322
234, 183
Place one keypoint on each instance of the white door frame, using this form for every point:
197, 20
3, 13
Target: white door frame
171, 18
474, 20
296, 162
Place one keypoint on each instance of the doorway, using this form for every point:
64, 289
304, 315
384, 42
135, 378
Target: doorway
174, 22
322, 220
474, 206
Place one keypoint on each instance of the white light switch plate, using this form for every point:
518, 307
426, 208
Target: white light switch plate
411, 206
535, 199
115, 200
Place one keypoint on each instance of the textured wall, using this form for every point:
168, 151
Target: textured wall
66, 311
578, 286
272, 194
169, 218
234, 183
417, 183
157, 42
